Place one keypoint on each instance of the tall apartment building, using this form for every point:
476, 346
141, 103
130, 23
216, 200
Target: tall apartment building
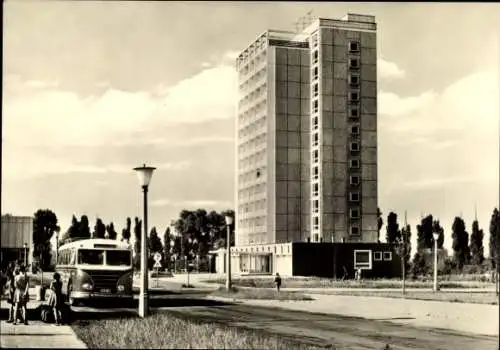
307, 137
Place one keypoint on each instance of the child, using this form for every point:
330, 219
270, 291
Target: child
10, 293
55, 298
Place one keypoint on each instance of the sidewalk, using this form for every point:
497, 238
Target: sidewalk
461, 317
36, 334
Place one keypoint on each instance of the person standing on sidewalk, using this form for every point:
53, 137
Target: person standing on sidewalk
21, 294
277, 280
10, 293
55, 298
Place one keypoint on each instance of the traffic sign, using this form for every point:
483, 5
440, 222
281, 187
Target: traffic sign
157, 257
157, 265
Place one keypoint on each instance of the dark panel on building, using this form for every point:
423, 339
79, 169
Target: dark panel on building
312, 259
333, 260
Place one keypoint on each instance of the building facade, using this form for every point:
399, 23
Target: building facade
307, 141
17, 239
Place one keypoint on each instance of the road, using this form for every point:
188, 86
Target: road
334, 331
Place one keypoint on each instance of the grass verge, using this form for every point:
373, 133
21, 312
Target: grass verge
454, 297
297, 282
165, 331
259, 294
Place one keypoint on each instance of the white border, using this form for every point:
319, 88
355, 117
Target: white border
369, 259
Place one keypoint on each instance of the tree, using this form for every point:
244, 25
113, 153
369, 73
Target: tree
436, 228
460, 242
380, 223
44, 226
154, 241
476, 244
72, 232
137, 245
392, 227
99, 229
84, 231
424, 233
126, 232
494, 237
110, 229
420, 265
406, 233
167, 246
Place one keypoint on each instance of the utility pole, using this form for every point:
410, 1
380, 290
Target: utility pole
403, 256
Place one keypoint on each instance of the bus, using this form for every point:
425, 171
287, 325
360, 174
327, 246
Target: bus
95, 269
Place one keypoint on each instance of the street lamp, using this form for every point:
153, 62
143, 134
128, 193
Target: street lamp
25, 245
229, 221
436, 236
144, 173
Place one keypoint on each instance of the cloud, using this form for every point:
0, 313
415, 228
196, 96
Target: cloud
205, 65
32, 165
50, 116
470, 103
191, 204
37, 84
440, 154
389, 70
231, 54
394, 105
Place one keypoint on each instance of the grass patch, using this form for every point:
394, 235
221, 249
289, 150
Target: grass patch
165, 331
313, 282
259, 294
489, 298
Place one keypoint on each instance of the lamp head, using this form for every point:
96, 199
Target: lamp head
25, 245
436, 235
229, 220
144, 174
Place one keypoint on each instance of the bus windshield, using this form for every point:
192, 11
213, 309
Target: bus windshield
118, 257
90, 257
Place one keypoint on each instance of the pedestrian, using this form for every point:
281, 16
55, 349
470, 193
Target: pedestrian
346, 274
277, 280
55, 298
358, 274
21, 294
10, 286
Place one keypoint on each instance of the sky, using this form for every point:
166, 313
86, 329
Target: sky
93, 89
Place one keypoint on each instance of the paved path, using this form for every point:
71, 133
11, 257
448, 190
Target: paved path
472, 318
38, 335
337, 331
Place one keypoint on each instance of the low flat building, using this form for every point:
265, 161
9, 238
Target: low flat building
328, 260
17, 239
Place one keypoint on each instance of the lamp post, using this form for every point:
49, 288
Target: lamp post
144, 174
229, 221
436, 236
25, 245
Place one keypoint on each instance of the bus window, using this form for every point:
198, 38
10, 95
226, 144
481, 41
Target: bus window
73, 257
90, 257
118, 257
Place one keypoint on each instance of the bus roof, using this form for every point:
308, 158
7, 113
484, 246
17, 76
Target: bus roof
97, 243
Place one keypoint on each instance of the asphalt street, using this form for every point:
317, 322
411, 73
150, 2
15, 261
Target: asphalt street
333, 331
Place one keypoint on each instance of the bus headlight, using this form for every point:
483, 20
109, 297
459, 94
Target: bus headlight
121, 288
87, 286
